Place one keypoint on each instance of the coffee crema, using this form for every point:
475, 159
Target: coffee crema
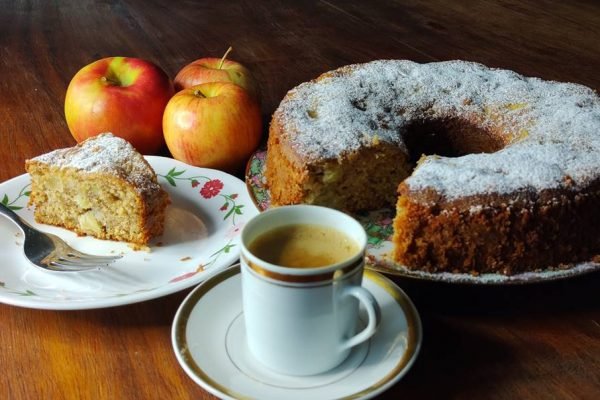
303, 246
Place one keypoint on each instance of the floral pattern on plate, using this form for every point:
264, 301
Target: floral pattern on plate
207, 212
379, 227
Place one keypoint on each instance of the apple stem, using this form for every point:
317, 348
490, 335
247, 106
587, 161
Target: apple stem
198, 93
109, 81
224, 57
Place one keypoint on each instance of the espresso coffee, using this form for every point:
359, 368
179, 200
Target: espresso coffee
303, 246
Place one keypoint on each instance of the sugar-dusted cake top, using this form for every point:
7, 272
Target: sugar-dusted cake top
552, 128
105, 153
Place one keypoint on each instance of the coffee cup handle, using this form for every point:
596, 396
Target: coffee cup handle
373, 312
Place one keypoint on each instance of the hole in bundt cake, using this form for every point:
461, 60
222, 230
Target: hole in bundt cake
449, 138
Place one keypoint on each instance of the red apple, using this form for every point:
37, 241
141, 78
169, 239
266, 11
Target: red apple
213, 125
125, 96
211, 69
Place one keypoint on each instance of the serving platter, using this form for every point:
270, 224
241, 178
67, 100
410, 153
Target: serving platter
207, 212
379, 227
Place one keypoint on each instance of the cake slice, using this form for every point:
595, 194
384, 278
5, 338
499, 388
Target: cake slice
102, 187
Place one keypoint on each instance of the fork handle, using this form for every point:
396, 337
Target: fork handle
10, 214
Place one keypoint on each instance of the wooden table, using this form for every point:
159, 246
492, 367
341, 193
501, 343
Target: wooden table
539, 341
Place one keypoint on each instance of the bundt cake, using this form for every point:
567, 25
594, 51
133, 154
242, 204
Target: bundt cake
102, 187
489, 171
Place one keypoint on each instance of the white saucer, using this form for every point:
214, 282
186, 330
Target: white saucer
208, 337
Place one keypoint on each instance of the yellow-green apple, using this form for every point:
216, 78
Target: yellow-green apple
125, 96
213, 125
211, 69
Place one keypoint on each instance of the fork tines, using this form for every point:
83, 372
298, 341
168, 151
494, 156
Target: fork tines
82, 261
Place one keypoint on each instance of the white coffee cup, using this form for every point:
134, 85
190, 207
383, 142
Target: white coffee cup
303, 321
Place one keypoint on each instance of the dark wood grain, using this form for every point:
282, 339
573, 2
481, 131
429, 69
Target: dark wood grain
539, 341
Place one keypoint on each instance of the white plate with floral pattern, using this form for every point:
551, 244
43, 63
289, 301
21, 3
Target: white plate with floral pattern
207, 212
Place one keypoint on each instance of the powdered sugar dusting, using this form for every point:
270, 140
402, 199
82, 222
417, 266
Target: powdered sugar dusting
553, 128
105, 153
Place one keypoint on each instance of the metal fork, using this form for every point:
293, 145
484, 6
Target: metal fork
49, 252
